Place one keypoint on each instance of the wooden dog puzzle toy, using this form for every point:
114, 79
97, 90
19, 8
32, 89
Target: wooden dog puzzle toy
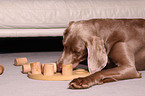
20, 61
50, 74
48, 71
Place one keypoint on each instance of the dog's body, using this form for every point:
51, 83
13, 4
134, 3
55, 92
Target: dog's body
122, 41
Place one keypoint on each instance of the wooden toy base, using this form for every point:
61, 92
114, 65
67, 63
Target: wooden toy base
59, 77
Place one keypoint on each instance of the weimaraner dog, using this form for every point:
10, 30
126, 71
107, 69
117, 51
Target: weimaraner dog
118, 44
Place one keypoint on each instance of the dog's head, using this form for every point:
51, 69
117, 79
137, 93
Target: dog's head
81, 43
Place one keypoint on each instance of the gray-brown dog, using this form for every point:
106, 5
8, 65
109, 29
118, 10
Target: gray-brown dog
105, 42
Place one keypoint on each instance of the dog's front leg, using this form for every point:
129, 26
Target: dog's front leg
123, 57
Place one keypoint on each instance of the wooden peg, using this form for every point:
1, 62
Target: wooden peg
20, 61
55, 67
48, 69
1, 69
67, 69
35, 68
26, 68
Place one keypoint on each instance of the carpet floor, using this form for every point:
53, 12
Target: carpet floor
14, 83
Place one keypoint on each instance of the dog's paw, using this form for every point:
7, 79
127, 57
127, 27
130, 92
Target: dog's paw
81, 83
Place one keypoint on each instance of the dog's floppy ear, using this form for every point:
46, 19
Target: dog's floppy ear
97, 56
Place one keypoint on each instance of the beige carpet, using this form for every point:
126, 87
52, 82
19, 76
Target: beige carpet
14, 83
